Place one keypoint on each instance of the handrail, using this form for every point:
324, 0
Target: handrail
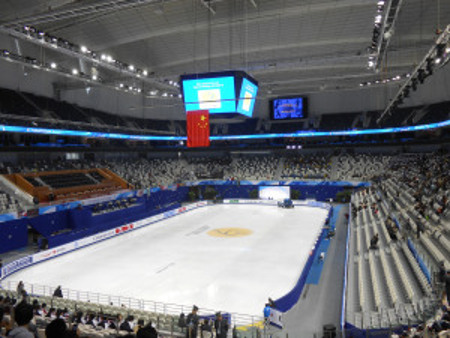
129, 303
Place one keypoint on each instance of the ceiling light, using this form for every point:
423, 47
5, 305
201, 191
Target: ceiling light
109, 58
371, 64
378, 19
153, 92
437, 61
381, 3
131, 67
180, 96
83, 49
139, 90
164, 94
103, 57
121, 85
75, 71
447, 50
144, 72
94, 77
53, 65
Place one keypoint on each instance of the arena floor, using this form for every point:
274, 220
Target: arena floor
224, 257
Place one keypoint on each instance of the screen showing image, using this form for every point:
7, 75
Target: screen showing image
275, 193
247, 98
214, 94
289, 108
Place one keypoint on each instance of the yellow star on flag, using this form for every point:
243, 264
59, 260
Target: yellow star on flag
203, 117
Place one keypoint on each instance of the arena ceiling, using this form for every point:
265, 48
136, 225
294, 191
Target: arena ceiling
290, 46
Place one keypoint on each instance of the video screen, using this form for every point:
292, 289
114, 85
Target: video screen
247, 98
289, 108
276, 193
214, 94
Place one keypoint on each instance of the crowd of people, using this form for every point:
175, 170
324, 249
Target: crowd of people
24, 316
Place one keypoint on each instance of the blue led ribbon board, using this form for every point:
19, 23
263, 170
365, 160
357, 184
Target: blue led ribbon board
299, 134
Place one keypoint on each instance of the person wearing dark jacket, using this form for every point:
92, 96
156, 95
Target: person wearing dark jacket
126, 325
147, 331
221, 326
23, 314
192, 323
58, 292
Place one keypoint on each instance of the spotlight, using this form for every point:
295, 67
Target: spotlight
144, 72
153, 92
94, 77
180, 96
131, 67
164, 94
109, 58
53, 65
371, 64
103, 57
83, 49
75, 71
121, 85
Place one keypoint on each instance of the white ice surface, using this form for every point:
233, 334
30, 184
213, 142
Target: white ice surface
176, 261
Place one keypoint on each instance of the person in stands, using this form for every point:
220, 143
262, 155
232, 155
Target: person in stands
374, 242
23, 314
56, 329
58, 292
127, 325
192, 323
148, 331
20, 288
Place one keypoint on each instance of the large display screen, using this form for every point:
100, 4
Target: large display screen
228, 93
277, 193
218, 95
289, 108
247, 98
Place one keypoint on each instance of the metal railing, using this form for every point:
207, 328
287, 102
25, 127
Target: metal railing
128, 303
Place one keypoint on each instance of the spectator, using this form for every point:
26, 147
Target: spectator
56, 329
147, 331
374, 242
206, 329
127, 325
23, 314
140, 325
20, 288
58, 292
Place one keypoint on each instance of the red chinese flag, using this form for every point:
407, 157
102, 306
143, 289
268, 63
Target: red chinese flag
198, 128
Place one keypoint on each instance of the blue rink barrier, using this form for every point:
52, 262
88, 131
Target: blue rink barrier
83, 242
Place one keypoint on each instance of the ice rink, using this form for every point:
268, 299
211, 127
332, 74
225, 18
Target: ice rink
224, 257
